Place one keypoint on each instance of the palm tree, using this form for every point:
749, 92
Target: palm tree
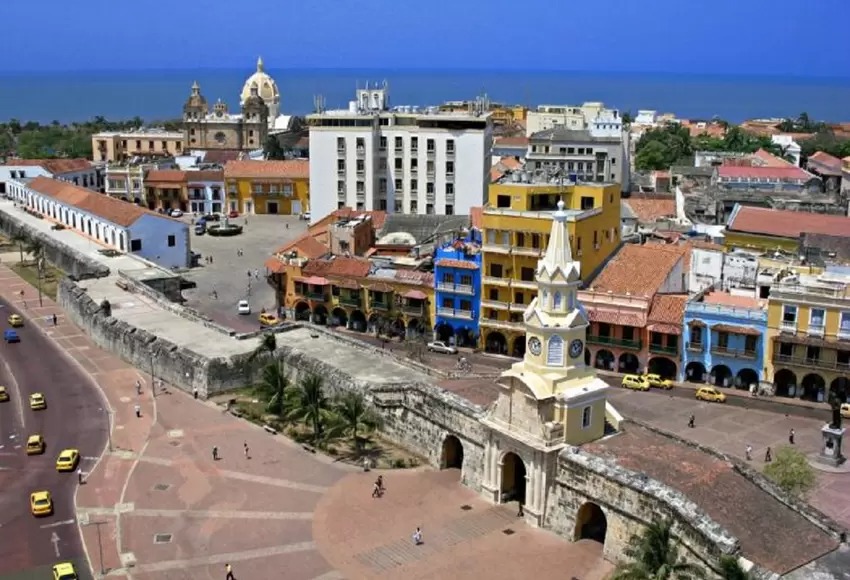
273, 386
310, 405
267, 347
730, 569
21, 238
352, 417
36, 249
654, 557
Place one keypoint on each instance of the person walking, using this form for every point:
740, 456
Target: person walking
215, 453
749, 452
195, 392
55, 319
229, 569
138, 387
791, 436
247, 451
138, 411
767, 456
417, 537
691, 421
80, 475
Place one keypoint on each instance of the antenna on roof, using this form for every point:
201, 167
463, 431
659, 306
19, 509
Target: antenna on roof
319, 103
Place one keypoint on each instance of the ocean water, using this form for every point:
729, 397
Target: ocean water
67, 96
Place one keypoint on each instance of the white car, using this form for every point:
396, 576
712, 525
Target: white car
442, 347
243, 307
176, 213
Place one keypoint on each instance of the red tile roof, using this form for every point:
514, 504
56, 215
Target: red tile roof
827, 161
273, 169
768, 159
780, 173
205, 175
510, 163
338, 267
727, 299
54, 166
616, 317
496, 174
784, 223
510, 142
114, 210
668, 311
736, 329
638, 270
165, 176
274, 265
649, 210
305, 246
462, 264
220, 156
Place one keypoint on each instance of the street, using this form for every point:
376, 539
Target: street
74, 418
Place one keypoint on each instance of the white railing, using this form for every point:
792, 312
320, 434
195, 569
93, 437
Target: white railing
788, 326
527, 284
454, 313
815, 330
495, 280
497, 304
502, 324
456, 288
500, 248
521, 251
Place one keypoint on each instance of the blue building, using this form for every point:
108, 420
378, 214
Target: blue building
457, 285
724, 340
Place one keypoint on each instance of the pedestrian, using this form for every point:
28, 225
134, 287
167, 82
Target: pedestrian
80, 475
138, 387
249, 276
520, 513
749, 452
195, 392
767, 456
211, 259
247, 452
138, 411
691, 421
376, 490
55, 319
215, 453
791, 436
417, 537
229, 571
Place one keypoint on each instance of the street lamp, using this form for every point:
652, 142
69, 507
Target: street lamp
153, 380
109, 427
99, 545
40, 268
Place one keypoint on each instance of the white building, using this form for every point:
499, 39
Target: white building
402, 160
578, 155
206, 190
790, 148
591, 116
127, 181
706, 267
113, 223
77, 171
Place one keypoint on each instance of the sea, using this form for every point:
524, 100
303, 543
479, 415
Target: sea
156, 95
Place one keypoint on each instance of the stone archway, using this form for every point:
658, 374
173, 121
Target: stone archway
663, 366
496, 343
513, 478
445, 332
376, 323
695, 372
397, 328
591, 523
785, 383
518, 348
358, 320
840, 387
452, 457
339, 317
604, 359
721, 376
629, 363
302, 311
745, 378
414, 328
320, 314
814, 388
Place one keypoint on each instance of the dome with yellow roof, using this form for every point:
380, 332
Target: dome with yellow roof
266, 89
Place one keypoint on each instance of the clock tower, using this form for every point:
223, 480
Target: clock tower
550, 399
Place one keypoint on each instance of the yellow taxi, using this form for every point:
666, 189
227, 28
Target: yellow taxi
711, 395
657, 382
15, 320
267, 319
37, 401
64, 571
41, 504
35, 445
4, 394
845, 410
635, 382
68, 460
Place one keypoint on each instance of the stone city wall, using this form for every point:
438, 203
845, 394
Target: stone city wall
62, 256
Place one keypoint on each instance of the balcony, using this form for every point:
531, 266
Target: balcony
733, 352
616, 342
817, 363
413, 309
495, 281
414, 171
429, 197
431, 153
520, 308
816, 330
662, 349
525, 251
380, 305
450, 153
340, 172
497, 248
495, 304
340, 150
525, 284
361, 152
340, 194
456, 288
843, 334
454, 313
695, 347
450, 198
351, 300
785, 326
319, 296
502, 324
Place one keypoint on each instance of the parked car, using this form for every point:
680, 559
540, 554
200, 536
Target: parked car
243, 307
268, 319
710, 394
635, 382
441, 347
200, 228
657, 382
233, 214
176, 213
305, 216
211, 217
15, 321
4, 394
11, 336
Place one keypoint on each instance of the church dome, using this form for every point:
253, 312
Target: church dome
265, 85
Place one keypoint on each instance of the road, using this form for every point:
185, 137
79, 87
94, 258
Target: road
74, 418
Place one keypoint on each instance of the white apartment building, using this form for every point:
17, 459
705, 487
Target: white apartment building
127, 181
401, 160
592, 116
579, 156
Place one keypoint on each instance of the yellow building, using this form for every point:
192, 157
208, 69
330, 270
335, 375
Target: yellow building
501, 114
114, 146
808, 328
516, 226
268, 187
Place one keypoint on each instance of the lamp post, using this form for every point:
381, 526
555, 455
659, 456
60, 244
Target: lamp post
109, 427
40, 267
99, 545
153, 379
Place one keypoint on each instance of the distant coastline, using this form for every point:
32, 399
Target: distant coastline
158, 94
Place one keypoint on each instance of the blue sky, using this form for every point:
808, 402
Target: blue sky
737, 37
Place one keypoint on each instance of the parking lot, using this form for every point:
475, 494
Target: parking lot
229, 274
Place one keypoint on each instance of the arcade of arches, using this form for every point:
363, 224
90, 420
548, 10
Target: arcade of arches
356, 319
496, 342
608, 360
810, 386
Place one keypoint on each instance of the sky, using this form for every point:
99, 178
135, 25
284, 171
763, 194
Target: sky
726, 37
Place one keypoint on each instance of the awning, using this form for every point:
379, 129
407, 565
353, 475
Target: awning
314, 281
664, 328
347, 284
736, 329
696, 323
275, 266
415, 295
380, 287
613, 317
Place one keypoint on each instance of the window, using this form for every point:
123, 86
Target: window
429, 208
287, 189
556, 301
493, 292
844, 325
723, 340
361, 166
361, 142
448, 278
450, 189
414, 206
398, 163
786, 350
696, 335
812, 354
429, 187
430, 167
430, 146
586, 202
382, 205
340, 187
172, 241
361, 187
340, 164
398, 206
526, 274
382, 185
135, 245
586, 416
382, 144
520, 239
414, 184
340, 143
816, 316
382, 164
466, 279
750, 343
450, 146
273, 188
397, 185
789, 314
555, 351
519, 298
399, 144
257, 187
414, 164
628, 332
495, 271
414, 144
450, 167
448, 303
450, 209
251, 133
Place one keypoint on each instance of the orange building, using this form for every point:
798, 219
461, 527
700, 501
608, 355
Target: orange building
166, 189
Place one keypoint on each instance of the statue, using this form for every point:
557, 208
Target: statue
835, 404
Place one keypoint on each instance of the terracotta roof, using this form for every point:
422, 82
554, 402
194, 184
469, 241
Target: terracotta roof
313, 280
415, 295
736, 329
510, 142
54, 166
649, 210
510, 163
664, 328
826, 161
668, 309
119, 212
415, 277
220, 156
784, 223
380, 287
286, 169
476, 217
638, 270
348, 284
704, 245
614, 317
734, 172
274, 265
727, 299
771, 160
305, 246
338, 267
205, 175
495, 174
462, 264
165, 176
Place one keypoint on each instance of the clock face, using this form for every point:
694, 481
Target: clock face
576, 348
534, 345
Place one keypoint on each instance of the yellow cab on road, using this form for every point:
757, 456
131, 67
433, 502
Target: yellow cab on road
4, 394
68, 460
657, 382
710, 394
15, 321
635, 382
268, 319
845, 410
35, 445
64, 571
41, 504
37, 401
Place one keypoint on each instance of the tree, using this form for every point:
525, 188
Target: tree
790, 470
352, 416
655, 557
730, 569
310, 405
35, 248
273, 387
22, 239
266, 348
